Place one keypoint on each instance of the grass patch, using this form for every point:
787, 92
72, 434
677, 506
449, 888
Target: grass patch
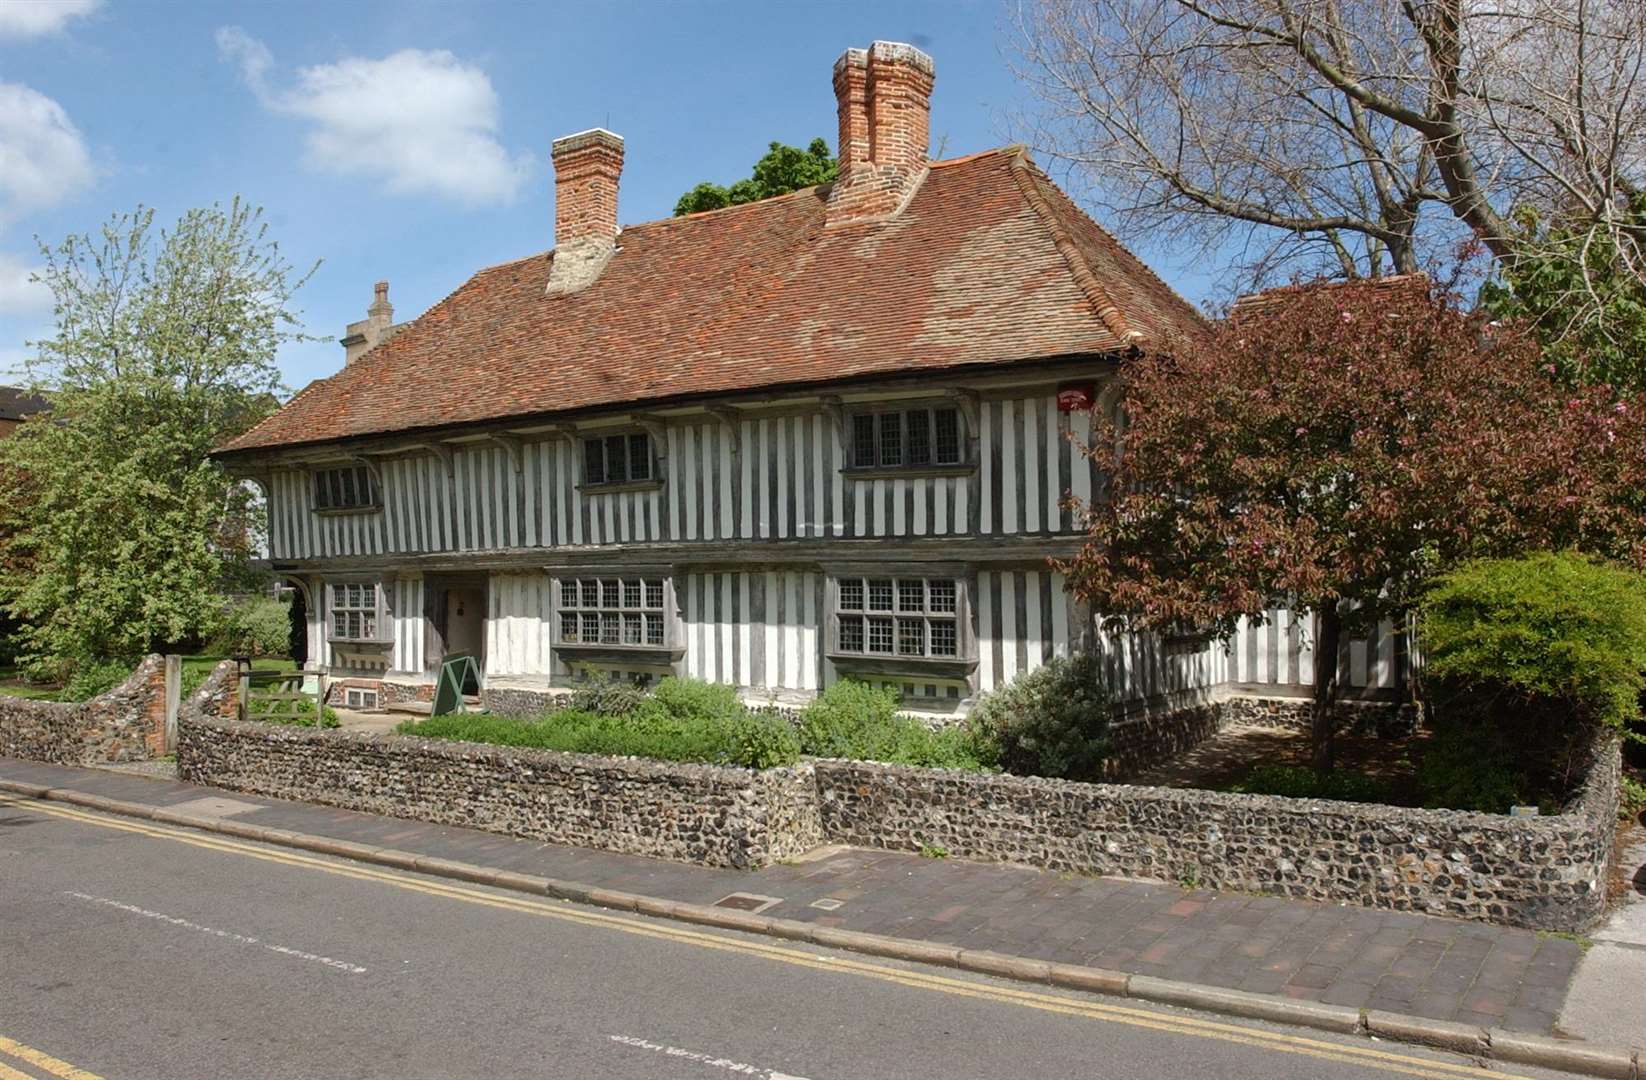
195, 670
197, 667
1577, 939
297, 714
12, 684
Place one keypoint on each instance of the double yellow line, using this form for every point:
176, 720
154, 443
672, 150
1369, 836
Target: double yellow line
1367, 1057
40, 1060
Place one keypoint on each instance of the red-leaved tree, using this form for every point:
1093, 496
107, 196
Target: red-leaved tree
1332, 448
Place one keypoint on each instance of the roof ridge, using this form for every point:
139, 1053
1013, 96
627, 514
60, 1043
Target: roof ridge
698, 215
1010, 148
1102, 303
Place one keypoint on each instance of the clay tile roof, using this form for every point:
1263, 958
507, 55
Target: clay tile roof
17, 405
1255, 305
989, 262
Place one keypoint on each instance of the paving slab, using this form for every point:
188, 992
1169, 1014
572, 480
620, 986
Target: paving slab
1606, 998
1439, 968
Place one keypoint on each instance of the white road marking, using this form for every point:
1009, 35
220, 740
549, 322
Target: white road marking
227, 935
708, 1060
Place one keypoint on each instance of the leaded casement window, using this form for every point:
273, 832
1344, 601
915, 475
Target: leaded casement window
350, 488
919, 437
904, 617
613, 611
617, 459
354, 611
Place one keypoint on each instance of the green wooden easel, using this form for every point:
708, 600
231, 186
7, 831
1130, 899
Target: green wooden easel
457, 672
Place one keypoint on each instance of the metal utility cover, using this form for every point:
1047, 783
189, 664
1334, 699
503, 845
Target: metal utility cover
751, 902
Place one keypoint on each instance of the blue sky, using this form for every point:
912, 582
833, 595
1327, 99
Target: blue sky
409, 140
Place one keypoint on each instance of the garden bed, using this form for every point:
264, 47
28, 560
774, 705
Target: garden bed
705, 723
1384, 767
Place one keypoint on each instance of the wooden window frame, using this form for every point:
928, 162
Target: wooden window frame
630, 482
321, 490
902, 410
668, 643
377, 611
894, 662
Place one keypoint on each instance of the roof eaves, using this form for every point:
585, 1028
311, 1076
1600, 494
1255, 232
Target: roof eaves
1102, 303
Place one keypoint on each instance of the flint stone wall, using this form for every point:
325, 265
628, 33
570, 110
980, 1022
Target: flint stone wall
125, 724
1547, 873
1141, 740
391, 692
1389, 718
693, 813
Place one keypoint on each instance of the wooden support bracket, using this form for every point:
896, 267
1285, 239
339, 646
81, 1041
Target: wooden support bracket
444, 453
732, 417
835, 410
967, 402
655, 426
370, 466
515, 448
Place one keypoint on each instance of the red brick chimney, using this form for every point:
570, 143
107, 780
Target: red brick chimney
587, 166
884, 98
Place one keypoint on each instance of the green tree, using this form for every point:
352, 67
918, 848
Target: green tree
123, 534
1577, 291
782, 170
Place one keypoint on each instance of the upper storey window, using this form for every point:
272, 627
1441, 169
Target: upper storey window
921, 437
617, 459
351, 488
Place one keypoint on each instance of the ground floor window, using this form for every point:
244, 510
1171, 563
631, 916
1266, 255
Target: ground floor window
353, 611
612, 611
898, 617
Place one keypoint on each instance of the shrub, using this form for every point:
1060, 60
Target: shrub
763, 740
1558, 627
1052, 721
836, 723
93, 677
683, 720
855, 720
1461, 769
1632, 797
1301, 782
687, 700
607, 697
1525, 658
257, 626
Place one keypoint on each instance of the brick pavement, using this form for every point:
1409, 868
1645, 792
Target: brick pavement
1434, 967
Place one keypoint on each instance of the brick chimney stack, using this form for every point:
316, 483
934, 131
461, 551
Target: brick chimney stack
377, 327
884, 98
587, 166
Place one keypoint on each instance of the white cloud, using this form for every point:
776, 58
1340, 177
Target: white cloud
421, 121
35, 18
43, 159
19, 296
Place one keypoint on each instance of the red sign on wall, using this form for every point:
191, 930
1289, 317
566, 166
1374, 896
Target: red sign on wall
1076, 398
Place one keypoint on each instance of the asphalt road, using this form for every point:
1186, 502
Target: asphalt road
130, 951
